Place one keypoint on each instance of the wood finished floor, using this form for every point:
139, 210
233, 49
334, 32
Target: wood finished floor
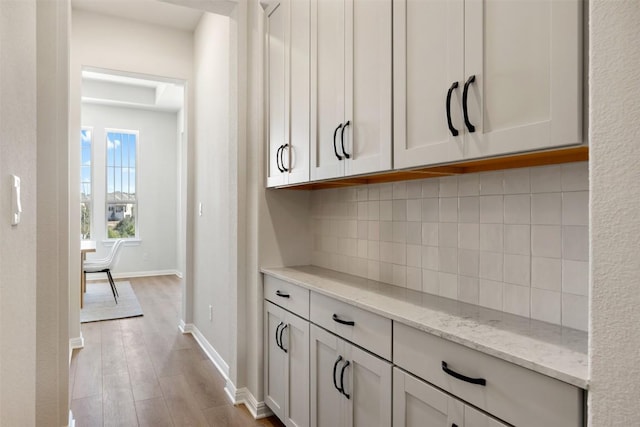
144, 372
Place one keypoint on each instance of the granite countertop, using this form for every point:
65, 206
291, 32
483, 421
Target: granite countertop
551, 350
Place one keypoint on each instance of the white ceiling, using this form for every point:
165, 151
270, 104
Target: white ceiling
149, 11
134, 92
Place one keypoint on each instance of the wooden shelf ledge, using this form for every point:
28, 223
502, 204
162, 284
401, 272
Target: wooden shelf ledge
539, 158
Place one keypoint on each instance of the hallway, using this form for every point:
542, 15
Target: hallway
143, 371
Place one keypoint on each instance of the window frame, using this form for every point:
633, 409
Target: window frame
91, 199
136, 203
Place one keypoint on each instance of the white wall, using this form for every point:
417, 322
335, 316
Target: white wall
615, 218
119, 44
33, 274
157, 186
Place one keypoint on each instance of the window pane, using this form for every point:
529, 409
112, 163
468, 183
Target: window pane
110, 149
85, 183
132, 182
85, 220
121, 222
132, 151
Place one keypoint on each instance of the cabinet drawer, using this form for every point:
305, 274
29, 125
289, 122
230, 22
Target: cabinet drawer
512, 393
287, 295
369, 330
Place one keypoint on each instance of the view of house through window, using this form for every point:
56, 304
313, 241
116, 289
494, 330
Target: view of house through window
121, 198
85, 183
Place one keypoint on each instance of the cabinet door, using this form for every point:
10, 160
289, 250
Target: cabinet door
526, 57
296, 154
428, 53
475, 418
295, 340
327, 87
417, 404
327, 403
275, 375
368, 82
367, 381
277, 89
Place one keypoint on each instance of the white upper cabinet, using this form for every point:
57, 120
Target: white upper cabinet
480, 78
288, 91
350, 87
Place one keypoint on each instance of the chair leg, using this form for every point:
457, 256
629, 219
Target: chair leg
113, 286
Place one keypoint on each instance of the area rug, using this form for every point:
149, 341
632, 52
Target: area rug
99, 304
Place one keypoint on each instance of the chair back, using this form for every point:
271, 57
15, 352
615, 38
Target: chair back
115, 253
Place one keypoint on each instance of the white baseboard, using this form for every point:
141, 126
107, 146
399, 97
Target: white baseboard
90, 276
236, 396
75, 343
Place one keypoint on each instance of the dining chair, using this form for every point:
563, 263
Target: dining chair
104, 265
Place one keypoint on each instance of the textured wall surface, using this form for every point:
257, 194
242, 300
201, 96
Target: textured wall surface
615, 219
515, 240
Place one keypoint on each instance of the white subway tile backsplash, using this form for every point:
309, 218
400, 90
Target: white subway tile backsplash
546, 179
491, 265
468, 185
448, 260
575, 243
492, 183
546, 241
430, 258
469, 210
414, 256
516, 299
546, 305
490, 294
492, 237
414, 189
448, 186
431, 210
414, 278
414, 210
546, 208
386, 191
491, 209
399, 275
374, 192
399, 190
469, 236
386, 210
386, 231
517, 239
517, 209
575, 208
575, 311
448, 285
575, 277
449, 209
399, 210
517, 269
430, 188
516, 181
575, 176
399, 232
513, 240
468, 289
468, 262
448, 235
430, 282
546, 273
414, 233
430, 233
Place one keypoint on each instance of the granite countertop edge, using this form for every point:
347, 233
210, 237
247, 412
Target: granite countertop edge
540, 347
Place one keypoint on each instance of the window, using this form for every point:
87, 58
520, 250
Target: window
122, 201
86, 199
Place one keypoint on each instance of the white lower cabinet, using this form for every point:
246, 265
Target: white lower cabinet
417, 404
286, 356
349, 387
